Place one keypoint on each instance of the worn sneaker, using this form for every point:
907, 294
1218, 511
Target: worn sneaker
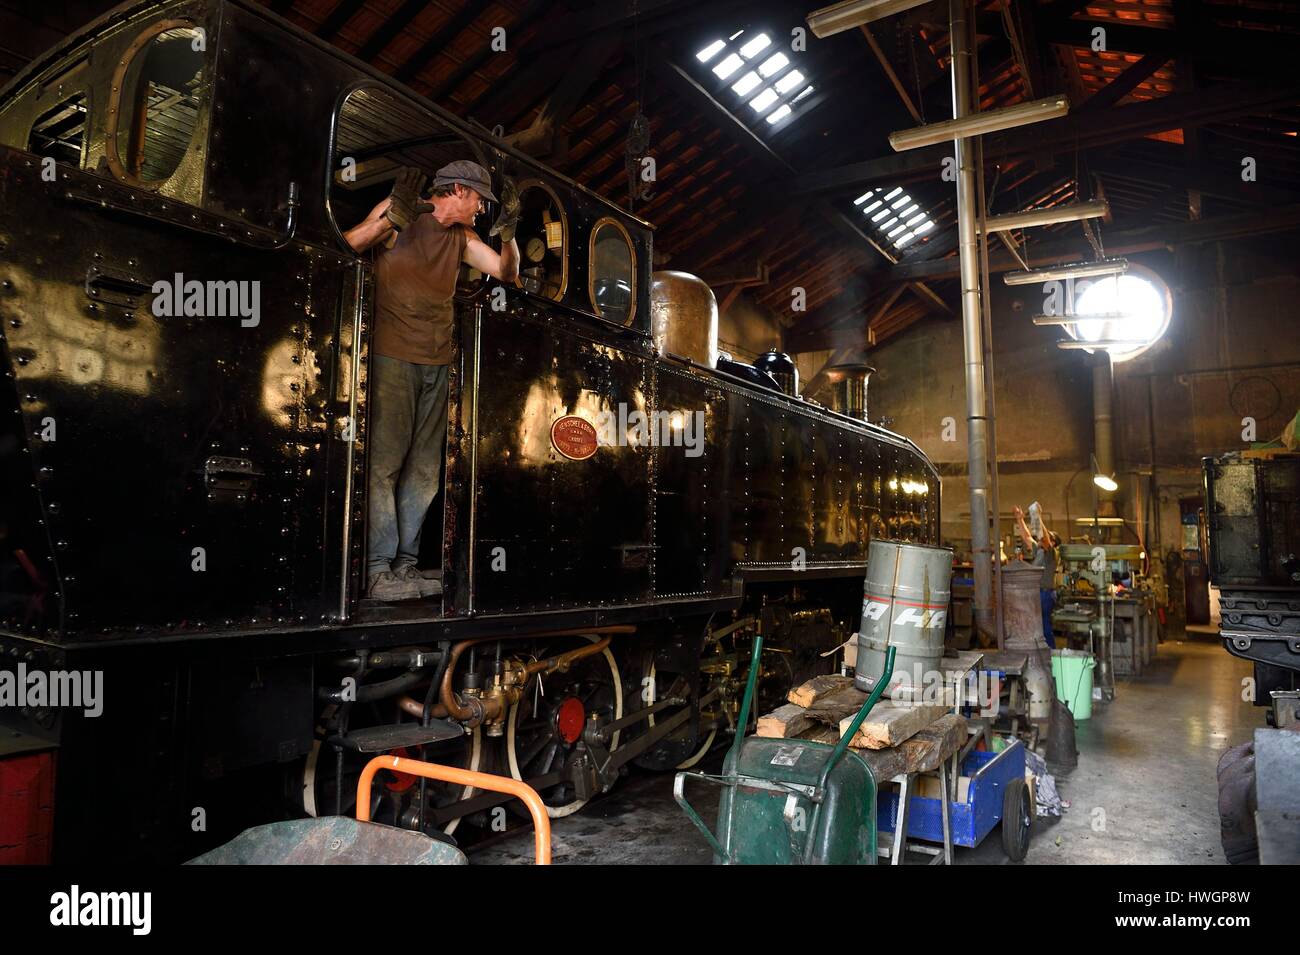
427, 586
387, 586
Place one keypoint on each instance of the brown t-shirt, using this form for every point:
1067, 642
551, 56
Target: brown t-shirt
414, 284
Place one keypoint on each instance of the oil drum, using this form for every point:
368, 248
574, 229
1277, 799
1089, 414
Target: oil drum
904, 604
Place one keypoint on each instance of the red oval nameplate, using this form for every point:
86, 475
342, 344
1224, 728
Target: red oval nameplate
574, 437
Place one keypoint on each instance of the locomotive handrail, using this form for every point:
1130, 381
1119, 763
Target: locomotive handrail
123, 197
462, 777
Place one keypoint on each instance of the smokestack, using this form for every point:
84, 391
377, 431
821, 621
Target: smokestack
848, 388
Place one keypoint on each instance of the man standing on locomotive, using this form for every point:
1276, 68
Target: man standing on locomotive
421, 245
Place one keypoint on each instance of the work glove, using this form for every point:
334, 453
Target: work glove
508, 218
406, 204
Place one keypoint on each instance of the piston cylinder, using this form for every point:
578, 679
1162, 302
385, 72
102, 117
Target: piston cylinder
904, 604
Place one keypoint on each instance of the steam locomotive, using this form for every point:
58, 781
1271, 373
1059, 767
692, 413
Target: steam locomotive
182, 458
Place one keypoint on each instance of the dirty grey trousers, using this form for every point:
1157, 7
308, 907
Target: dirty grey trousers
408, 423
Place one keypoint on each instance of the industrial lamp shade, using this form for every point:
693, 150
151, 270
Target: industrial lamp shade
839, 17
1106, 482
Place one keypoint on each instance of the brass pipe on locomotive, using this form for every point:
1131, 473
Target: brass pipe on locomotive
488, 706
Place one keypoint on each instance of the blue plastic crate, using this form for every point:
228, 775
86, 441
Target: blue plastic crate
971, 820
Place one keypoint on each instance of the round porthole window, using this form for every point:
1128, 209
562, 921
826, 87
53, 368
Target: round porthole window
1132, 312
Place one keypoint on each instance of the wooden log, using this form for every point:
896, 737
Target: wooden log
932, 745
817, 688
784, 722
891, 723
834, 708
885, 764
822, 734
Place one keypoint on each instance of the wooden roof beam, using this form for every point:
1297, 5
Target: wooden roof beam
1080, 130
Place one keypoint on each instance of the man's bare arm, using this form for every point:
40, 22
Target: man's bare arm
373, 229
503, 266
1023, 529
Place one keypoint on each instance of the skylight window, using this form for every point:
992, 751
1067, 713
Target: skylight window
763, 100
788, 82
780, 113
895, 214
728, 66
745, 85
773, 63
759, 73
710, 51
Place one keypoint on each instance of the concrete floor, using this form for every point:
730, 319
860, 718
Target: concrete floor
1144, 790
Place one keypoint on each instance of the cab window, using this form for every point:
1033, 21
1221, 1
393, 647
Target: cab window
159, 90
59, 133
376, 135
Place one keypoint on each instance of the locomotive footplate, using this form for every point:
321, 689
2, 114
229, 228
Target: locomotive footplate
1275, 649
385, 739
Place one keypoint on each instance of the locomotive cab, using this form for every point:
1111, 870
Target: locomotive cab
188, 330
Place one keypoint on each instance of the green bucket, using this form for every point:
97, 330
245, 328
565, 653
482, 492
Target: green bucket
1072, 671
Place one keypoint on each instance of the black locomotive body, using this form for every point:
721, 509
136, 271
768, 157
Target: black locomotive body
1252, 520
183, 439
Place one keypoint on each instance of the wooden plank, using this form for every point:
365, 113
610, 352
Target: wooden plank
784, 722
818, 688
891, 723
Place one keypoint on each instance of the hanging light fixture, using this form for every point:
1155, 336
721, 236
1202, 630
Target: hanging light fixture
839, 17
1106, 482
979, 124
1071, 320
1057, 273
1036, 217
1100, 345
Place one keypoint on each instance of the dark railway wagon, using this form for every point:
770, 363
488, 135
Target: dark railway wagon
183, 440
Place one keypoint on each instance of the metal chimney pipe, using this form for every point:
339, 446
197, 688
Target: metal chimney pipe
848, 388
972, 331
1103, 389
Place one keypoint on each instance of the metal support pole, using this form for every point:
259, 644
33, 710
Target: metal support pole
972, 331
1103, 434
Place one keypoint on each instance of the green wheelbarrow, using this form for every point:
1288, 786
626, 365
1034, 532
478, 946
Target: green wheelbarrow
792, 801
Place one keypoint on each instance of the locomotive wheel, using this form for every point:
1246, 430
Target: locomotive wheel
681, 749
318, 779
547, 722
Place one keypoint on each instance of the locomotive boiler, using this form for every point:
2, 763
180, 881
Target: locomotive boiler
183, 443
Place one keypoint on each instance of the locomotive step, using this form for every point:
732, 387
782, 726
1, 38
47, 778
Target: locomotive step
383, 739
